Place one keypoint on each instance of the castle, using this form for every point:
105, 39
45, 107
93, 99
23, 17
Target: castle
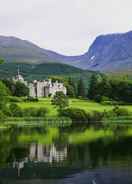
42, 88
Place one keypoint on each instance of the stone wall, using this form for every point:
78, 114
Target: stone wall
45, 88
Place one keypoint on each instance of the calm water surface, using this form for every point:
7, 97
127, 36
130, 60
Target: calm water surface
80, 155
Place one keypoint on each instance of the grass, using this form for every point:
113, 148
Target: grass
44, 102
88, 106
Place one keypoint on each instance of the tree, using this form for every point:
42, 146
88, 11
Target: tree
73, 86
15, 110
4, 92
16, 88
70, 90
92, 92
99, 87
81, 89
2, 60
60, 100
113, 89
102, 89
10, 85
21, 89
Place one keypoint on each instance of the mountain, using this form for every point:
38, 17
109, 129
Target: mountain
112, 52
35, 62
16, 50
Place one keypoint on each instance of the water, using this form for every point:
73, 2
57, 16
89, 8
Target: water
71, 155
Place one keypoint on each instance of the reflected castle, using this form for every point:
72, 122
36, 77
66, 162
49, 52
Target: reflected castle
39, 153
51, 153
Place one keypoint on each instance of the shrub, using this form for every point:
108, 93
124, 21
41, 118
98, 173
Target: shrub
97, 116
105, 99
15, 99
15, 110
2, 116
32, 99
107, 102
80, 115
75, 114
35, 112
4, 93
98, 98
7, 111
120, 111
42, 112
30, 112
50, 95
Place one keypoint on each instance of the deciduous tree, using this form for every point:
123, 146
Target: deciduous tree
60, 100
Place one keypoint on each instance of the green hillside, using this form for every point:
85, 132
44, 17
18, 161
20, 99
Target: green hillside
42, 71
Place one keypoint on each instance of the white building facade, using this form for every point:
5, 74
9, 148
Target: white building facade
45, 88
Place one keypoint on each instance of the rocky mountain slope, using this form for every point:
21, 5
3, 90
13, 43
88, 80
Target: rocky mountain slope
112, 52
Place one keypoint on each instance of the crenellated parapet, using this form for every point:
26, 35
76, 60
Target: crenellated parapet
43, 88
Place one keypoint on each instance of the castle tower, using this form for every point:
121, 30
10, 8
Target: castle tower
19, 77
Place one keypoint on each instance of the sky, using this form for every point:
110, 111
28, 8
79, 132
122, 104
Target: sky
65, 26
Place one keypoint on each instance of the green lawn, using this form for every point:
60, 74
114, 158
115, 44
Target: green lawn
75, 103
45, 102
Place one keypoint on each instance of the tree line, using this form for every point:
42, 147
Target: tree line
103, 87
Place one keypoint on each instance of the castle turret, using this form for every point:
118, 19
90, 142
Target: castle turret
19, 77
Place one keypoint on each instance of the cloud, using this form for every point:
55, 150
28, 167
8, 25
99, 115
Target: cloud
65, 26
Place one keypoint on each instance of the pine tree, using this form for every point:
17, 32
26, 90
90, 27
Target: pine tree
81, 89
72, 88
92, 91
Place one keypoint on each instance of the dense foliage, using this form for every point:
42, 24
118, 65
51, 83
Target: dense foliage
15, 111
4, 92
60, 100
21, 89
2, 60
17, 88
81, 88
75, 114
103, 87
81, 116
71, 87
40, 71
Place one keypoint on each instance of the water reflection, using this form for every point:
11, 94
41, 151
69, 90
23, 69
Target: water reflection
56, 153
42, 153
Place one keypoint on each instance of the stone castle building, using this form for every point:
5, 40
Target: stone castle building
45, 88
42, 88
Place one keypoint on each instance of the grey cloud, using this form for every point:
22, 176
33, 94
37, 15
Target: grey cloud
66, 26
